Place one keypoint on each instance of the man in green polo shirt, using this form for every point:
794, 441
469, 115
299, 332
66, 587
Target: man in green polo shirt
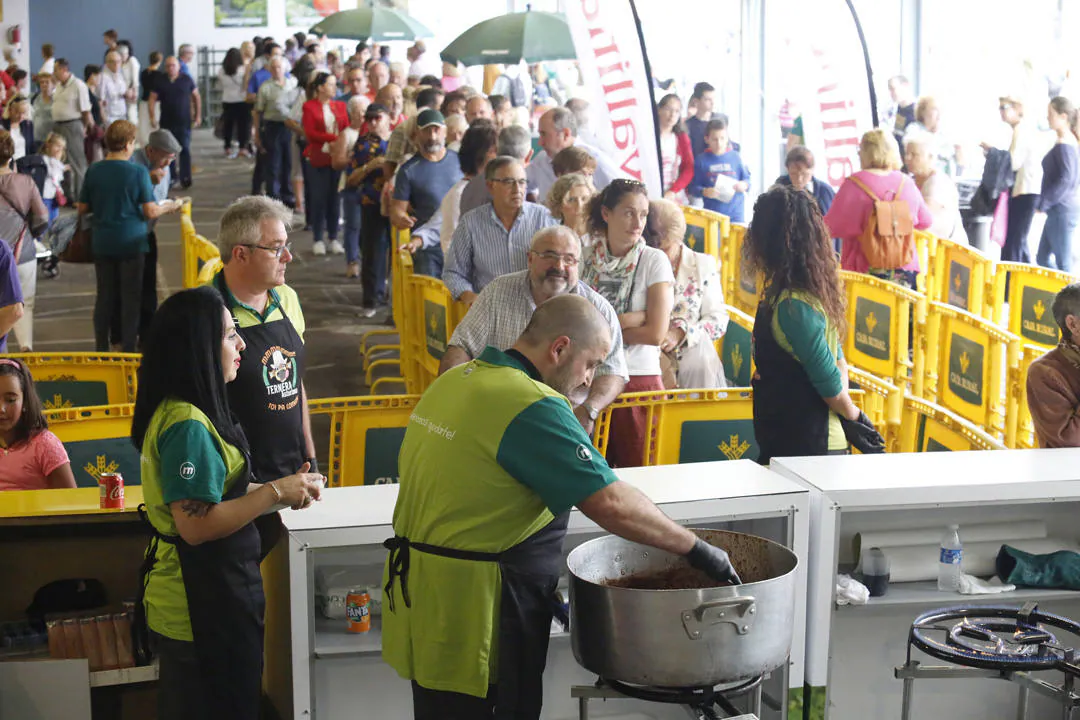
268, 394
482, 512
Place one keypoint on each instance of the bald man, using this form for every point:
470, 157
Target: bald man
481, 516
478, 107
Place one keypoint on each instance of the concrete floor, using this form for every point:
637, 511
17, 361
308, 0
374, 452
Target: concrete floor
64, 306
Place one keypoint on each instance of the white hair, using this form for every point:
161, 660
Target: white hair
357, 106
241, 223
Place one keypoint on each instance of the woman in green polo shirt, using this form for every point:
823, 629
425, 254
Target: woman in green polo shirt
202, 598
801, 401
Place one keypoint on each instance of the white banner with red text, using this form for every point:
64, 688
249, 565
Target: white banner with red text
612, 64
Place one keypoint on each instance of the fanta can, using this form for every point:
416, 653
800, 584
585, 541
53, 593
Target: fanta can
358, 611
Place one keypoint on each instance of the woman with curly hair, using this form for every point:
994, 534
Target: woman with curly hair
801, 402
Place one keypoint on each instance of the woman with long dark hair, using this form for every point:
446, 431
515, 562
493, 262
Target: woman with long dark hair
675, 152
637, 280
801, 402
235, 111
201, 599
1061, 178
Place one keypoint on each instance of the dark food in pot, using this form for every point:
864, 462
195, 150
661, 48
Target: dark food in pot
676, 578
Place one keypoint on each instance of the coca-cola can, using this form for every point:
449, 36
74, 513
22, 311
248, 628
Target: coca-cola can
111, 486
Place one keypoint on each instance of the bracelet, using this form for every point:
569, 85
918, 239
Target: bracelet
277, 492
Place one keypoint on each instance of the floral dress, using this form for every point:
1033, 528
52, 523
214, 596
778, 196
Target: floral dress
699, 300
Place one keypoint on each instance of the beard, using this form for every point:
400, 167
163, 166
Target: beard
433, 148
555, 282
562, 380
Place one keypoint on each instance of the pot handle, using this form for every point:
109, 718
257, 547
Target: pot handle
738, 611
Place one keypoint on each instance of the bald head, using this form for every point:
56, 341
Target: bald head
569, 316
478, 107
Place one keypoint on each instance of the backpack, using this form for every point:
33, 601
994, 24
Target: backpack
888, 240
517, 91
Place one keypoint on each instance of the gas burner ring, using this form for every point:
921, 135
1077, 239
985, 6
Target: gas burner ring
693, 696
993, 637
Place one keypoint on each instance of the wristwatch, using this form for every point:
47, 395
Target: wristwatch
593, 412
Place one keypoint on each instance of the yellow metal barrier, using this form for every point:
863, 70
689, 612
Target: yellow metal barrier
209, 269
98, 440
1030, 298
882, 402
878, 333
428, 345
65, 380
927, 427
197, 252
690, 425
1025, 427
365, 437
963, 277
368, 350
925, 246
969, 361
705, 230
735, 348
743, 285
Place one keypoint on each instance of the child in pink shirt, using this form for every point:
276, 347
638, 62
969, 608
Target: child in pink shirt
31, 457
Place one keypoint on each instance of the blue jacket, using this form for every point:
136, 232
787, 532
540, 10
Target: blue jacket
706, 169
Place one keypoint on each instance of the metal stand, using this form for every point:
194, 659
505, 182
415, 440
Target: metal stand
1062, 694
711, 707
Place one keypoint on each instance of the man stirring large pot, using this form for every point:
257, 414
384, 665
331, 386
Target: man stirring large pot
492, 461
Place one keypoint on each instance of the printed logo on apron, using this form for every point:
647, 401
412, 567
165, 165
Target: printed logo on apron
279, 378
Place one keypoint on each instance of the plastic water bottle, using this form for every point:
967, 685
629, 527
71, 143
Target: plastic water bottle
952, 554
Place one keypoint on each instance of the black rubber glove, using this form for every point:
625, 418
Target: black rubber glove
712, 561
862, 435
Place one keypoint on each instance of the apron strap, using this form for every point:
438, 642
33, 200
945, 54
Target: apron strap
400, 547
140, 630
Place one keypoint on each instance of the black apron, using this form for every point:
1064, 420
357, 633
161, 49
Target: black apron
530, 573
226, 605
266, 397
790, 418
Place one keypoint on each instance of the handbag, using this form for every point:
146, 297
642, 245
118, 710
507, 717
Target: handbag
17, 247
80, 249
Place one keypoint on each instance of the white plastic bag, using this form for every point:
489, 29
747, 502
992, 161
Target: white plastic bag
700, 367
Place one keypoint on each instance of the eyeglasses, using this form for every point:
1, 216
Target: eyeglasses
1005, 106
509, 182
275, 251
552, 256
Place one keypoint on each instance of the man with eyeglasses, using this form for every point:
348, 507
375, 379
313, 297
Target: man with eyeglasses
503, 310
271, 407
493, 240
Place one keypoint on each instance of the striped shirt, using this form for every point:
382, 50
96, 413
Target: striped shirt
504, 308
482, 248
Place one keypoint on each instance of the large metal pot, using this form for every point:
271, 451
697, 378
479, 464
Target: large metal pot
681, 638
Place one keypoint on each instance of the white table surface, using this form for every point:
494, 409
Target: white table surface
373, 505
913, 479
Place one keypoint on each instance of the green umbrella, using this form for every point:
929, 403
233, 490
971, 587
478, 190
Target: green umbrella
509, 39
377, 24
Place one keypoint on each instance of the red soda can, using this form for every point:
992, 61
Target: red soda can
111, 486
